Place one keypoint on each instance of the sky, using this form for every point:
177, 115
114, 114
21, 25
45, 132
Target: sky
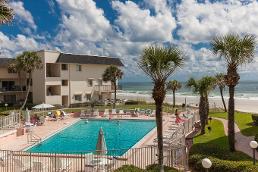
123, 28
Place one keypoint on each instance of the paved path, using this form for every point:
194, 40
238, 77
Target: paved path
242, 142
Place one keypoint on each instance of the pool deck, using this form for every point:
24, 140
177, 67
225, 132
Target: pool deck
14, 143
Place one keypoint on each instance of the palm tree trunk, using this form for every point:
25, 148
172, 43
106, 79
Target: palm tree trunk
231, 120
158, 94
174, 99
114, 104
207, 108
28, 91
159, 134
222, 97
202, 112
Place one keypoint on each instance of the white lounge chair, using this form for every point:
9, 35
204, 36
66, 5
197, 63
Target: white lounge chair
113, 112
106, 113
153, 114
61, 165
96, 113
121, 112
38, 167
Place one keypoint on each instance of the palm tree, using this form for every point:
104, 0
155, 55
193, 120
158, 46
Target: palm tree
6, 13
159, 63
113, 74
236, 51
203, 88
220, 82
174, 86
28, 62
17, 68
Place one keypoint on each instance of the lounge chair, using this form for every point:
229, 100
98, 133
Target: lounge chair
106, 113
96, 113
61, 165
114, 112
153, 114
148, 112
121, 113
19, 166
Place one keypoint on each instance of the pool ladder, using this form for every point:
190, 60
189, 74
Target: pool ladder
33, 138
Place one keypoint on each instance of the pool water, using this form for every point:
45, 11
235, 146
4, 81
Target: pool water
81, 137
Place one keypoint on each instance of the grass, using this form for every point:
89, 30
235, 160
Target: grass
243, 120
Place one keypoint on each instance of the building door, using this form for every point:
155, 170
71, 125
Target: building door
65, 101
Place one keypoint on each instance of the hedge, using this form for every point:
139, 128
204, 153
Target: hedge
222, 159
129, 168
255, 119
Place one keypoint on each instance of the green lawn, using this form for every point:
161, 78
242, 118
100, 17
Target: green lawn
243, 120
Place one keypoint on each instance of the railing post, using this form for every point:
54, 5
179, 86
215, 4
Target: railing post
81, 161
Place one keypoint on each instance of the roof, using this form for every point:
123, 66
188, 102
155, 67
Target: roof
4, 62
88, 59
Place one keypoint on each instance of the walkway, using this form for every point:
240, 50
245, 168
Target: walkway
242, 142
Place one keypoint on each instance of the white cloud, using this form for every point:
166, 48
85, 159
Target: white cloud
140, 25
11, 46
82, 20
22, 14
199, 22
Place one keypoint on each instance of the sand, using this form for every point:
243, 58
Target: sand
241, 104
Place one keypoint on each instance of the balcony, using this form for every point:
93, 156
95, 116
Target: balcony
53, 70
103, 88
53, 90
15, 88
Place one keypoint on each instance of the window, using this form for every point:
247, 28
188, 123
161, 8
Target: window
90, 82
78, 97
88, 97
64, 67
78, 67
64, 82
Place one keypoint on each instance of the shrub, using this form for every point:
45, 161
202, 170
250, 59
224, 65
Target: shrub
255, 119
155, 168
221, 165
128, 168
134, 102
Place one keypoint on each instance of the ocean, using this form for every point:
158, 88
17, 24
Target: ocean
246, 90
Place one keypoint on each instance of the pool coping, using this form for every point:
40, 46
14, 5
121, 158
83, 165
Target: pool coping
136, 145
47, 137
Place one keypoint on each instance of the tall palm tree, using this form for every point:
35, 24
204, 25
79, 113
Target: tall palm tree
236, 50
28, 62
6, 13
203, 88
220, 82
113, 74
174, 86
159, 63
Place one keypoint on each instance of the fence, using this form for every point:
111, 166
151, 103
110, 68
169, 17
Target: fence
13, 161
9, 121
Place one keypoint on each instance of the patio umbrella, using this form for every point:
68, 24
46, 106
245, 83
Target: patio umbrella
27, 115
43, 106
101, 147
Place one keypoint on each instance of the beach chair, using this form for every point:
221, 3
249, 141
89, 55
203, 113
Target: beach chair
60, 165
153, 114
106, 113
96, 113
121, 113
114, 112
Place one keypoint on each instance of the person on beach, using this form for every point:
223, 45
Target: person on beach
178, 119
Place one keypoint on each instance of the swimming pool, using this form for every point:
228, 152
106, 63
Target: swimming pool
82, 136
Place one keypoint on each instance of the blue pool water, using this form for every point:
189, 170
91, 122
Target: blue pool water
82, 137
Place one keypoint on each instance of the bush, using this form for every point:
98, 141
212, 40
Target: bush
255, 119
129, 168
134, 102
221, 165
155, 168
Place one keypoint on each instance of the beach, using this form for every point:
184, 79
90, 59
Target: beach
241, 104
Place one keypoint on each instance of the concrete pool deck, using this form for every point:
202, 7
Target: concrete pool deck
14, 143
